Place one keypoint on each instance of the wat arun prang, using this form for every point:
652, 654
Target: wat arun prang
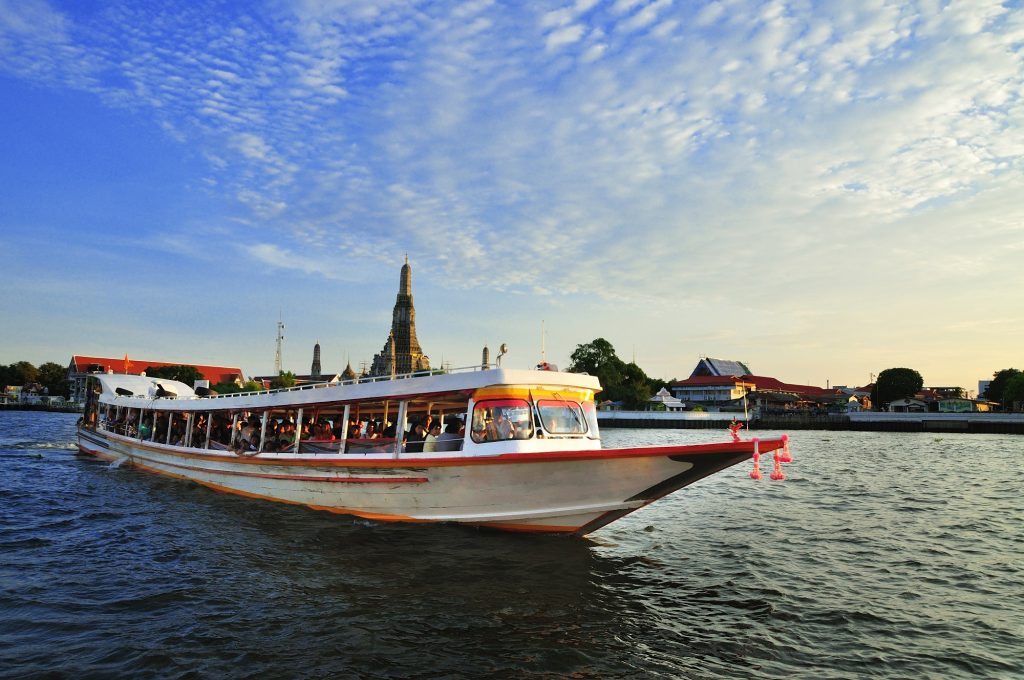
402, 352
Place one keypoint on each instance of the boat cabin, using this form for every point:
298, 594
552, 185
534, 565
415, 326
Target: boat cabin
467, 412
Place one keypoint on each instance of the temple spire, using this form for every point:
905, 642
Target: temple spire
405, 282
315, 369
401, 353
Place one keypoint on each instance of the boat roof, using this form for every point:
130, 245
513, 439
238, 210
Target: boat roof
144, 389
140, 386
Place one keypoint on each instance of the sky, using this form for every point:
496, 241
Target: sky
821, 190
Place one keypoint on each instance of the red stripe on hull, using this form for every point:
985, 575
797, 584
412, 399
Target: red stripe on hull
745, 446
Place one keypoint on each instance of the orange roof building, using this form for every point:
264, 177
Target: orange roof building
81, 366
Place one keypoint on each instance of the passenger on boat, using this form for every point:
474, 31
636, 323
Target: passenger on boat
415, 437
430, 443
499, 427
324, 432
286, 438
450, 439
146, 428
178, 433
247, 434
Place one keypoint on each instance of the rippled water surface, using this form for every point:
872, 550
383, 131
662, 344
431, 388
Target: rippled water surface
883, 555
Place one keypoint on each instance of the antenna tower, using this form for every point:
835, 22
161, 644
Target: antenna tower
543, 339
280, 341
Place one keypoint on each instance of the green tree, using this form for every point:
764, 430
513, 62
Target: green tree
598, 358
635, 387
595, 357
1013, 393
22, 373
896, 383
620, 381
54, 378
1000, 380
184, 374
234, 388
284, 379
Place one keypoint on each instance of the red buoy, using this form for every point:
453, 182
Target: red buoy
786, 457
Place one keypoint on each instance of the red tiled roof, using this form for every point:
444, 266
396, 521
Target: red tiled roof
765, 383
760, 383
215, 374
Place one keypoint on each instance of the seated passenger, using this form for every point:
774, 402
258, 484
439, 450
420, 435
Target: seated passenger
415, 438
500, 427
450, 439
430, 443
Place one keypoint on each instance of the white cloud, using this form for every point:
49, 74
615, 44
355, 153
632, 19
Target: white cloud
564, 36
588, 146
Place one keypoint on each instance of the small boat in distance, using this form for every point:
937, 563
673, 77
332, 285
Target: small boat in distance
511, 449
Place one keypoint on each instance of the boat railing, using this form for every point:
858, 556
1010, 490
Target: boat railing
356, 381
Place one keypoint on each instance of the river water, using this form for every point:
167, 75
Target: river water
888, 555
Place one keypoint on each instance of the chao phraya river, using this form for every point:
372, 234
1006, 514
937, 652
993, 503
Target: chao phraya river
883, 555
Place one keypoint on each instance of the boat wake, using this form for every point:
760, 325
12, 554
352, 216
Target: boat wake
15, 445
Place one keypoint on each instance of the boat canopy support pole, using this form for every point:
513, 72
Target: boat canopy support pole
209, 424
298, 431
234, 430
344, 428
263, 431
170, 421
400, 426
190, 421
140, 423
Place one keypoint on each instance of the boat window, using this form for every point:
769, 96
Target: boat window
499, 419
561, 416
590, 411
370, 427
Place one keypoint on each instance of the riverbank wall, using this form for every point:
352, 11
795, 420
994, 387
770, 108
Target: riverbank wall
867, 421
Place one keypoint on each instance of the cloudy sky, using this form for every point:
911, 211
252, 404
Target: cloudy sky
820, 189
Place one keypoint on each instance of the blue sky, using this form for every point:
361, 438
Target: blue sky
820, 189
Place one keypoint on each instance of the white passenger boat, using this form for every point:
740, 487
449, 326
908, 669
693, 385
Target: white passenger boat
520, 449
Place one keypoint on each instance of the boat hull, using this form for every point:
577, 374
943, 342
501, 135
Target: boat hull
569, 492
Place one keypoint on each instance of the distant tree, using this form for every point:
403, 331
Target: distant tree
598, 358
54, 377
1013, 393
184, 374
896, 383
284, 379
595, 357
635, 387
1000, 380
620, 382
235, 388
22, 373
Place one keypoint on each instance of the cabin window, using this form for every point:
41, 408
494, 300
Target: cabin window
561, 416
370, 427
501, 419
323, 431
590, 411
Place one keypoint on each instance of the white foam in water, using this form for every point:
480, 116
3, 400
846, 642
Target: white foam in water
116, 463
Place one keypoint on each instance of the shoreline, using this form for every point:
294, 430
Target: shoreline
40, 407
967, 423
